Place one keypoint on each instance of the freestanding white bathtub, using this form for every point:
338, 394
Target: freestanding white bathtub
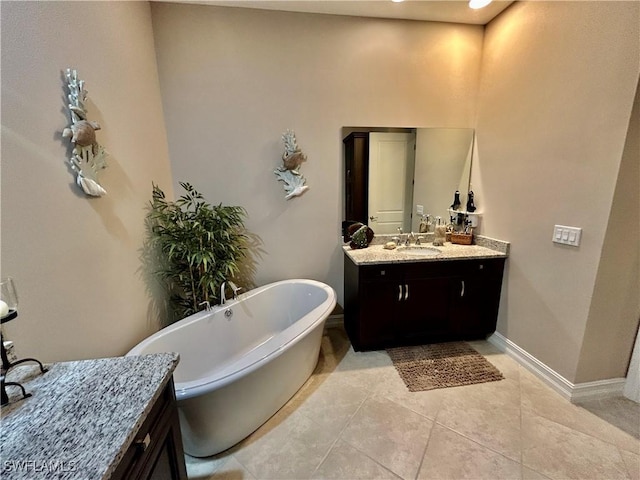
242, 361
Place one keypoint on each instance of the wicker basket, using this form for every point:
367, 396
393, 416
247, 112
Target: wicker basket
462, 238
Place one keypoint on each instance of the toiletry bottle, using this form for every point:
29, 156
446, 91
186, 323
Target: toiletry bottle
424, 224
456, 201
440, 233
471, 207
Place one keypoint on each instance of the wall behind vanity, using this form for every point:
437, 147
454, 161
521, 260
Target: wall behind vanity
233, 80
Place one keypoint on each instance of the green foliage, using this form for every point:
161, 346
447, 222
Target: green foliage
190, 248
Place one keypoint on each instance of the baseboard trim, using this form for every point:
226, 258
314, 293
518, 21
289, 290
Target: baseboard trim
573, 392
612, 387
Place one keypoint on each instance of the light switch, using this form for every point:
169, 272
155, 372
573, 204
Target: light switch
420, 209
567, 235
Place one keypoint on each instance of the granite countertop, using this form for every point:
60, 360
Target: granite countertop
82, 416
484, 247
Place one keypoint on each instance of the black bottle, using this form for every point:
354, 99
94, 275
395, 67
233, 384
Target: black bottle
456, 201
471, 207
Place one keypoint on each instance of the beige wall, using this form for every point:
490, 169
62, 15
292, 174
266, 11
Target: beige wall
74, 259
615, 306
233, 80
558, 80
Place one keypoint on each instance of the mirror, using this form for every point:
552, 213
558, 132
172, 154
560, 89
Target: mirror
390, 173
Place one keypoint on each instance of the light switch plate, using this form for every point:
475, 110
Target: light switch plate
419, 209
567, 235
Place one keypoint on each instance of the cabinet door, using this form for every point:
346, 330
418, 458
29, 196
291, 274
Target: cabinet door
378, 304
475, 297
424, 310
466, 300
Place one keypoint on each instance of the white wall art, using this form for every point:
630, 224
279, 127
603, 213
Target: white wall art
88, 157
292, 158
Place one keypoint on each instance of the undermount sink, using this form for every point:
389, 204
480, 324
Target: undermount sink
419, 250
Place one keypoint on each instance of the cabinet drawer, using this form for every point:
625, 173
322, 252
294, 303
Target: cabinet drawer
454, 268
381, 272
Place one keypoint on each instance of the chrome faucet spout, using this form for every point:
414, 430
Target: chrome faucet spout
222, 297
235, 289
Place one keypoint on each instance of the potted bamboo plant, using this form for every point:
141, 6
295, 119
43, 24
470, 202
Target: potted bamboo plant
190, 249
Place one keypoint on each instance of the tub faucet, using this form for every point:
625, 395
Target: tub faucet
235, 289
206, 305
223, 299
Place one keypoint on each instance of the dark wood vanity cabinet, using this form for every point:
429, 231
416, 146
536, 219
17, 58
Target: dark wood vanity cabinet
421, 302
156, 452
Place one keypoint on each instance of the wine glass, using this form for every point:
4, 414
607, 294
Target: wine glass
8, 300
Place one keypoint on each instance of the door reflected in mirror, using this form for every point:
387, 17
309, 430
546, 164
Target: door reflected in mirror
393, 174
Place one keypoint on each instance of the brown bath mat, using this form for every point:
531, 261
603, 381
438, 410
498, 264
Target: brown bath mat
441, 365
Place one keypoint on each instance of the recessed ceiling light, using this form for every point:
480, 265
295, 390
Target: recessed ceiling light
475, 4
397, 1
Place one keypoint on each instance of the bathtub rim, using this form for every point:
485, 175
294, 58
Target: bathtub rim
195, 388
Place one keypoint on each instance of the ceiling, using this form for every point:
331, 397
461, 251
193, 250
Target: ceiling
452, 11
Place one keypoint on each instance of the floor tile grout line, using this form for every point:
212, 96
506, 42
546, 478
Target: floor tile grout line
475, 441
424, 452
624, 463
372, 459
522, 466
333, 444
370, 394
577, 429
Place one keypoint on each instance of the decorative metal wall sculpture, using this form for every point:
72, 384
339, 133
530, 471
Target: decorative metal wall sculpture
88, 157
292, 158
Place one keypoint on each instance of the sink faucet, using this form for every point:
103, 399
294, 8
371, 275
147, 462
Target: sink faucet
406, 240
410, 238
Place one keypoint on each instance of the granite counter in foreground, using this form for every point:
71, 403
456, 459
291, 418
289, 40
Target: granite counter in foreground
484, 247
82, 416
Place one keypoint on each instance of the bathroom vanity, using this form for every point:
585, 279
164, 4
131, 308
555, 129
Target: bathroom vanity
110, 418
402, 297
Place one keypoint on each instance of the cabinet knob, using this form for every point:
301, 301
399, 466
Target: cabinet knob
481, 267
144, 443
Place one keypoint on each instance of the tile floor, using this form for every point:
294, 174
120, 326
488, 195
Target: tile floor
355, 419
